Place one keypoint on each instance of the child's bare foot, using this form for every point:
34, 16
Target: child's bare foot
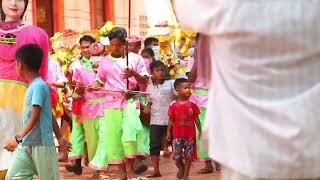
180, 173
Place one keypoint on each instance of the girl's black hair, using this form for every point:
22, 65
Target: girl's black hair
156, 64
3, 16
119, 33
148, 51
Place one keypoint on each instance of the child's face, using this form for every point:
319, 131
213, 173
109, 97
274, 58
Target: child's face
146, 56
85, 48
155, 43
184, 90
117, 47
135, 47
159, 73
13, 9
19, 69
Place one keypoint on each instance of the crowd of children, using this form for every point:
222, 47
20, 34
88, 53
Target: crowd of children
123, 109
119, 105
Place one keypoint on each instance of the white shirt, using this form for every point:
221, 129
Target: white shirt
263, 117
161, 96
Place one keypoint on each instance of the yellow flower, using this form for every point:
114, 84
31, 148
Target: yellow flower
106, 28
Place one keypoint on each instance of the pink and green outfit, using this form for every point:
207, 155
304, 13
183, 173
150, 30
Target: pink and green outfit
121, 115
94, 123
79, 69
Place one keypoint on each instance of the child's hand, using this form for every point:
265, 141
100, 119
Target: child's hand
11, 144
128, 94
147, 110
200, 134
127, 73
64, 145
94, 87
169, 136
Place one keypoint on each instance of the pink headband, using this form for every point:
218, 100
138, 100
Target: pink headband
134, 39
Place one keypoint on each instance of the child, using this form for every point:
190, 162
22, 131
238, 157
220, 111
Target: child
148, 56
161, 95
78, 134
134, 44
153, 43
14, 33
183, 115
36, 154
119, 112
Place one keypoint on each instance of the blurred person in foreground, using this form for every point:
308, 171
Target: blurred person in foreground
262, 118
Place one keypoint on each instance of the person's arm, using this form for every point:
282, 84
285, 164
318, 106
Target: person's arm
95, 86
58, 84
100, 80
169, 129
34, 118
197, 122
138, 71
192, 75
170, 123
147, 108
64, 145
56, 129
12, 143
127, 73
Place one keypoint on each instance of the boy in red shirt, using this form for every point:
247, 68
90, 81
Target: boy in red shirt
183, 115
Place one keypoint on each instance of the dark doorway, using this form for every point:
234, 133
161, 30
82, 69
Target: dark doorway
44, 15
98, 13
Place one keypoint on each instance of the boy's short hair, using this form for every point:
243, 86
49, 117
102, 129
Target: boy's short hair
119, 33
88, 38
179, 81
148, 41
31, 55
156, 64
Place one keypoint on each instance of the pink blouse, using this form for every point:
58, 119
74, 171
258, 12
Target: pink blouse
109, 72
93, 107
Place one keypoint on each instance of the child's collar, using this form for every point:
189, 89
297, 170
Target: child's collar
154, 82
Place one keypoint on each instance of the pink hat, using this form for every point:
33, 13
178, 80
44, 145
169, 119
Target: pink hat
134, 39
96, 48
